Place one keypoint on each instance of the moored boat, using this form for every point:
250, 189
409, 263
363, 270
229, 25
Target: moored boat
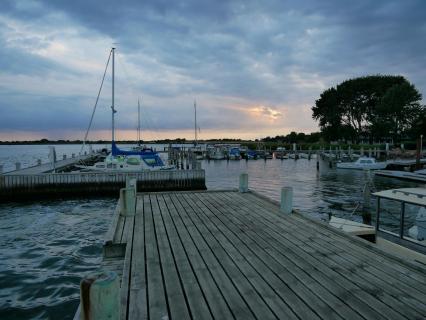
363, 163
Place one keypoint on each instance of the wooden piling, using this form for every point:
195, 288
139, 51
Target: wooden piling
286, 205
243, 182
99, 296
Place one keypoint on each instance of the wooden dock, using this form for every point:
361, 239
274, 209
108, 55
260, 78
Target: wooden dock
16, 187
231, 255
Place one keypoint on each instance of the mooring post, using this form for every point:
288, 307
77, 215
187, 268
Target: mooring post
64, 156
100, 296
286, 200
243, 182
18, 166
369, 152
128, 201
131, 182
318, 157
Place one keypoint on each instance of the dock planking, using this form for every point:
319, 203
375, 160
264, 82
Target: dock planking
230, 255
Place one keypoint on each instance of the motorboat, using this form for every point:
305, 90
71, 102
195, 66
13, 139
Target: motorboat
251, 155
216, 153
363, 163
234, 154
280, 153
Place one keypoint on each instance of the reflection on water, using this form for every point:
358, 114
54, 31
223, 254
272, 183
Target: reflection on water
48, 247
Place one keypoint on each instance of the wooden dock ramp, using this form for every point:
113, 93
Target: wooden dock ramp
231, 255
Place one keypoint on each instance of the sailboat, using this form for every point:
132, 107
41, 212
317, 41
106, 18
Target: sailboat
144, 159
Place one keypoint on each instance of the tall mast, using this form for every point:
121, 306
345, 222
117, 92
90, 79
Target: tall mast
195, 122
139, 123
112, 106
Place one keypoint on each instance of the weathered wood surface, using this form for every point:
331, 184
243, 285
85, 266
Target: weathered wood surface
48, 167
228, 255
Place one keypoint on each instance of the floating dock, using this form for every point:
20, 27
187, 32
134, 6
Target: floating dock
232, 255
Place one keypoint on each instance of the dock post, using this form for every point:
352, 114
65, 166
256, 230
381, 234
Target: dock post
100, 296
286, 200
18, 166
318, 157
131, 182
128, 201
369, 152
243, 182
64, 156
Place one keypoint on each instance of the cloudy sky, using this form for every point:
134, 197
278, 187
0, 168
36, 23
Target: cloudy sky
255, 68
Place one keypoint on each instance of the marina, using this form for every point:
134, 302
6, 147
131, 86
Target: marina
217, 160
226, 254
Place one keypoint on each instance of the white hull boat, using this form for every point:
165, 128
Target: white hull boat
363, 163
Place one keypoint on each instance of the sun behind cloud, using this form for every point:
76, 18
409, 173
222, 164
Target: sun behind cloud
269, 112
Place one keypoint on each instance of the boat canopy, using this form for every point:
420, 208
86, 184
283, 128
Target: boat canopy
150, 157
115, 151
415, 196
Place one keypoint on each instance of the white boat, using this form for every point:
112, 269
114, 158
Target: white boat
415, 197
363, 163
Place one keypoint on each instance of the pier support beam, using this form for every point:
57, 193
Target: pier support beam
243, 182
128, 201
286, 206
100, 296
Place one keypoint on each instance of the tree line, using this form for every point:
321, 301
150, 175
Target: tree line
371, 109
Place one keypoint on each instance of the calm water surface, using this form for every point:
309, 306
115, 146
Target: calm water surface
47, 247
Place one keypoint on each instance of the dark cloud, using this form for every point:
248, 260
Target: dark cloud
270, 53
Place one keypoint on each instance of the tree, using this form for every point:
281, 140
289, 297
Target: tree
372, 107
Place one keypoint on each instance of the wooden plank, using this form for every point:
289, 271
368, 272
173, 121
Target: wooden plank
125, 282
210, 291
138, 300
283, 301
109, 237
357, 248
331, 260
195, 296
157, 296
176, 298
406, 280
237, 304
260, 297
293, 272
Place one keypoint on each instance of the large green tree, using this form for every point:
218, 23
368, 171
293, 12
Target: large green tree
371, 107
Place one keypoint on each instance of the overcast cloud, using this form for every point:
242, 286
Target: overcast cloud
254, 67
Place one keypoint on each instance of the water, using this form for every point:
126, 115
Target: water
47, 247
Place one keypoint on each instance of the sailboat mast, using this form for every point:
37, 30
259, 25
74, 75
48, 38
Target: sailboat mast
195, 122
112, 106
139, 123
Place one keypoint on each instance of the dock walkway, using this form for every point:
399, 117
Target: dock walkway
231, 255
48, 167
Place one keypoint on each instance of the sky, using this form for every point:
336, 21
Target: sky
255, 68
